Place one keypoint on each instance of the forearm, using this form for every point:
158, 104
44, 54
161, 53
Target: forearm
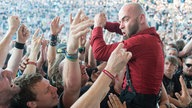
113, 27
41, 59
187, 48
51, 54
99, 89
91, 59
72, 82
31, 68
101, 51
4, 46
72, 74
14, 61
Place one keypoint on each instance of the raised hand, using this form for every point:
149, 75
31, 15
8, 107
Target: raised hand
44, 43
78, 29
114, 102
118, 59
100, 20
23, 63
184, 99
36, 42
55, 27
23, 34
13, 22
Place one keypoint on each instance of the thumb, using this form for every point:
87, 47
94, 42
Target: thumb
119, 47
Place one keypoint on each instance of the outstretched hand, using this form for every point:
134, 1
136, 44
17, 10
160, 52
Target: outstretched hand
55, 27
78, 28
36, 42
118, 59
184, 98
114, 102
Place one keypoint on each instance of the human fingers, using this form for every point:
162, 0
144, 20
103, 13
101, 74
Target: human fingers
77, 17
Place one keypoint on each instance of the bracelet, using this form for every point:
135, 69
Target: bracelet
71, 57
32, 63
81, 50
53, 37
53, 43
108, 74
19, 45
53, 40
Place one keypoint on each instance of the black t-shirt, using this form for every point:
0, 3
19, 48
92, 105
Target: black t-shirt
172, 85
188, 81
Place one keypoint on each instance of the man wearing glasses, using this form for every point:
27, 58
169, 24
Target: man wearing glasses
187, 73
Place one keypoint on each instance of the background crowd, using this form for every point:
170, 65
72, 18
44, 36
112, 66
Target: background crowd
57, 41
169, 18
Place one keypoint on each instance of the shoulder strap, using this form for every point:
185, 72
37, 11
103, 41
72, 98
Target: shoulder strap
128, 78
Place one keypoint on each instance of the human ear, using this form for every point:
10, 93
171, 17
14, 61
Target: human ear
142, 19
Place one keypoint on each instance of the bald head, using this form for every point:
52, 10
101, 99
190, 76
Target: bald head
132, 19
134, 9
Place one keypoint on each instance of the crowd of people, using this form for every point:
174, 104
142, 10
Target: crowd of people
166, 17
131, 55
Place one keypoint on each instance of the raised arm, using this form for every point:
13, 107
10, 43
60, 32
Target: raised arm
186, 50
113, 27
118, 59
13, 22
101, 51
13, 64
51, 53
71, 71
35, 47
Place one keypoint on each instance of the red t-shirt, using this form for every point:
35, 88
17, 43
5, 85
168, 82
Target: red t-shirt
147, 63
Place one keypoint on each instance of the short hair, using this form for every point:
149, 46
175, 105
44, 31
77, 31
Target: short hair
188, 57
172, 59
26, 83
173, 45
173, 49
180, 44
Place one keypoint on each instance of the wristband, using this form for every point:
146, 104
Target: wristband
53, 37
108, 74
53, 40
32, 63
19, 45
71, 57
53, 43
81, 49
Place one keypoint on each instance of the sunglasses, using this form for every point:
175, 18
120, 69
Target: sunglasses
188, 65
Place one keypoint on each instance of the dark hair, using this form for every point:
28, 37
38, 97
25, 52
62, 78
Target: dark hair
188, 57
173, 45
180, 44
26, 84
172, 59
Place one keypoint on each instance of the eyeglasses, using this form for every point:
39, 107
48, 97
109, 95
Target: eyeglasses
188, 65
